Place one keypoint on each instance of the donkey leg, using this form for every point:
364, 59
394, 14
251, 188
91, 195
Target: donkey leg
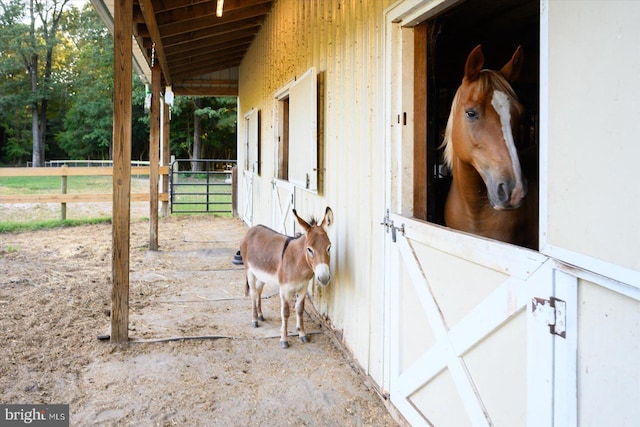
253, 292
284, 314
300, 317
259, 288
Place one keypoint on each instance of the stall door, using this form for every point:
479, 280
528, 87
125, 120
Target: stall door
283, 220
247, 197
469, 339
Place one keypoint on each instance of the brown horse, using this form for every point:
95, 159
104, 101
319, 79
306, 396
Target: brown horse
289, 262
489, 194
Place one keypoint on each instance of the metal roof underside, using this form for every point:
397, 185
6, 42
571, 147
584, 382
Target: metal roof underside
198, 52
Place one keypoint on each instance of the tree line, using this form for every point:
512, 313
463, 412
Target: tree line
56, 91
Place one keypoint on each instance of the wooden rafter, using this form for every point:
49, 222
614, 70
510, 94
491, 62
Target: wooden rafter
150, 18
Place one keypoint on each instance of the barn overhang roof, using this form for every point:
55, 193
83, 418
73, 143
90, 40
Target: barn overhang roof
199, 53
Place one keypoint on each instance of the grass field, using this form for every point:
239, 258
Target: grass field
13, 226
75, 184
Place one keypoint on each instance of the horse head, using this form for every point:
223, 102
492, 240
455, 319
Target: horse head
483, 128
318, 245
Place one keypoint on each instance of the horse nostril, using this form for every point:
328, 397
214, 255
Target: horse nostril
503, 192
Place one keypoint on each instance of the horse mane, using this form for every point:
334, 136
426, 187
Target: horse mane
487, 79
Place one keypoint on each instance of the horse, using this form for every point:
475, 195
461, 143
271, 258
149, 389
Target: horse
291, 263
489, 194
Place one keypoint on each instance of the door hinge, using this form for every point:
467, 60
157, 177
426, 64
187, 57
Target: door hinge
388, 224
553, 312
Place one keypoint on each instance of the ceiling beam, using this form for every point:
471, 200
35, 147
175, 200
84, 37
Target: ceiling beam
229, 5
205, 45
180, 24
205, 91
164, 5
201, 66
150, 18
208, 9
209, 68
203, 34
209, 82
207, 55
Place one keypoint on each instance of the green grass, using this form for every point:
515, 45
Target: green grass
14, 227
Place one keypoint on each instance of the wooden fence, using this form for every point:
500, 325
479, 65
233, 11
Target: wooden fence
64, 172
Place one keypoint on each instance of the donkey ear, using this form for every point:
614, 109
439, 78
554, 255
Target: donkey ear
328, 218
511, 70
474, 64
304, 224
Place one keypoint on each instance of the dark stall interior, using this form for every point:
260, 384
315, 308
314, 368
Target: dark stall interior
500, 26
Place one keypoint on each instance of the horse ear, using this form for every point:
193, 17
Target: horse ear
474, 64
304, 224
511, 70
328, 218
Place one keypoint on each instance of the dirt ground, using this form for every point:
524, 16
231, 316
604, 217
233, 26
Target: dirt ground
55, 297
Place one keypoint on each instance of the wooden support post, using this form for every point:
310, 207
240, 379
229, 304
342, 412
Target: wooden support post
63, 190
122, 115
154, 156
166, 153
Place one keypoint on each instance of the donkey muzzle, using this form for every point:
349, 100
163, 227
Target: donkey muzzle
323, 274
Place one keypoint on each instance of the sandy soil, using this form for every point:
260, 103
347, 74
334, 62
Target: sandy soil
55, 288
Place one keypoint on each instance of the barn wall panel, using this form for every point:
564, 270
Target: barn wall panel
608, 354
594, 121
344, 41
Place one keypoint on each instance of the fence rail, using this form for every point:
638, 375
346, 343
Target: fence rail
75, 171
87, 163
63, 198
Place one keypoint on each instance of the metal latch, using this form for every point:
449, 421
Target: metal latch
388, 223
553, 312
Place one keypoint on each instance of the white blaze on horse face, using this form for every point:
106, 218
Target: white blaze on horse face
323, 274
500, 102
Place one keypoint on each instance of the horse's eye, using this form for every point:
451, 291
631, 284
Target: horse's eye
310, 250
328, 249
471, 115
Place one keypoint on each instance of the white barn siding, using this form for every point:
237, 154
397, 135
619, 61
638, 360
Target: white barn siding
609, 347
594, 122
344, 41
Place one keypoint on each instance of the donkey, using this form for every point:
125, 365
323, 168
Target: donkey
291, 263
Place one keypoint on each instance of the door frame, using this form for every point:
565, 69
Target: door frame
532, 274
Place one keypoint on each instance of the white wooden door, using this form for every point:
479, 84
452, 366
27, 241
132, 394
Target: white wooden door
283, 220
303, 131
466, 346
247, 197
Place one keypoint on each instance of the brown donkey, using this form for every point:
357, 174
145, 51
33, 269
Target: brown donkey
289, 262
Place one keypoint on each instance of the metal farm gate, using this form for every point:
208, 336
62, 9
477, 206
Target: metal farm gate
208, 189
